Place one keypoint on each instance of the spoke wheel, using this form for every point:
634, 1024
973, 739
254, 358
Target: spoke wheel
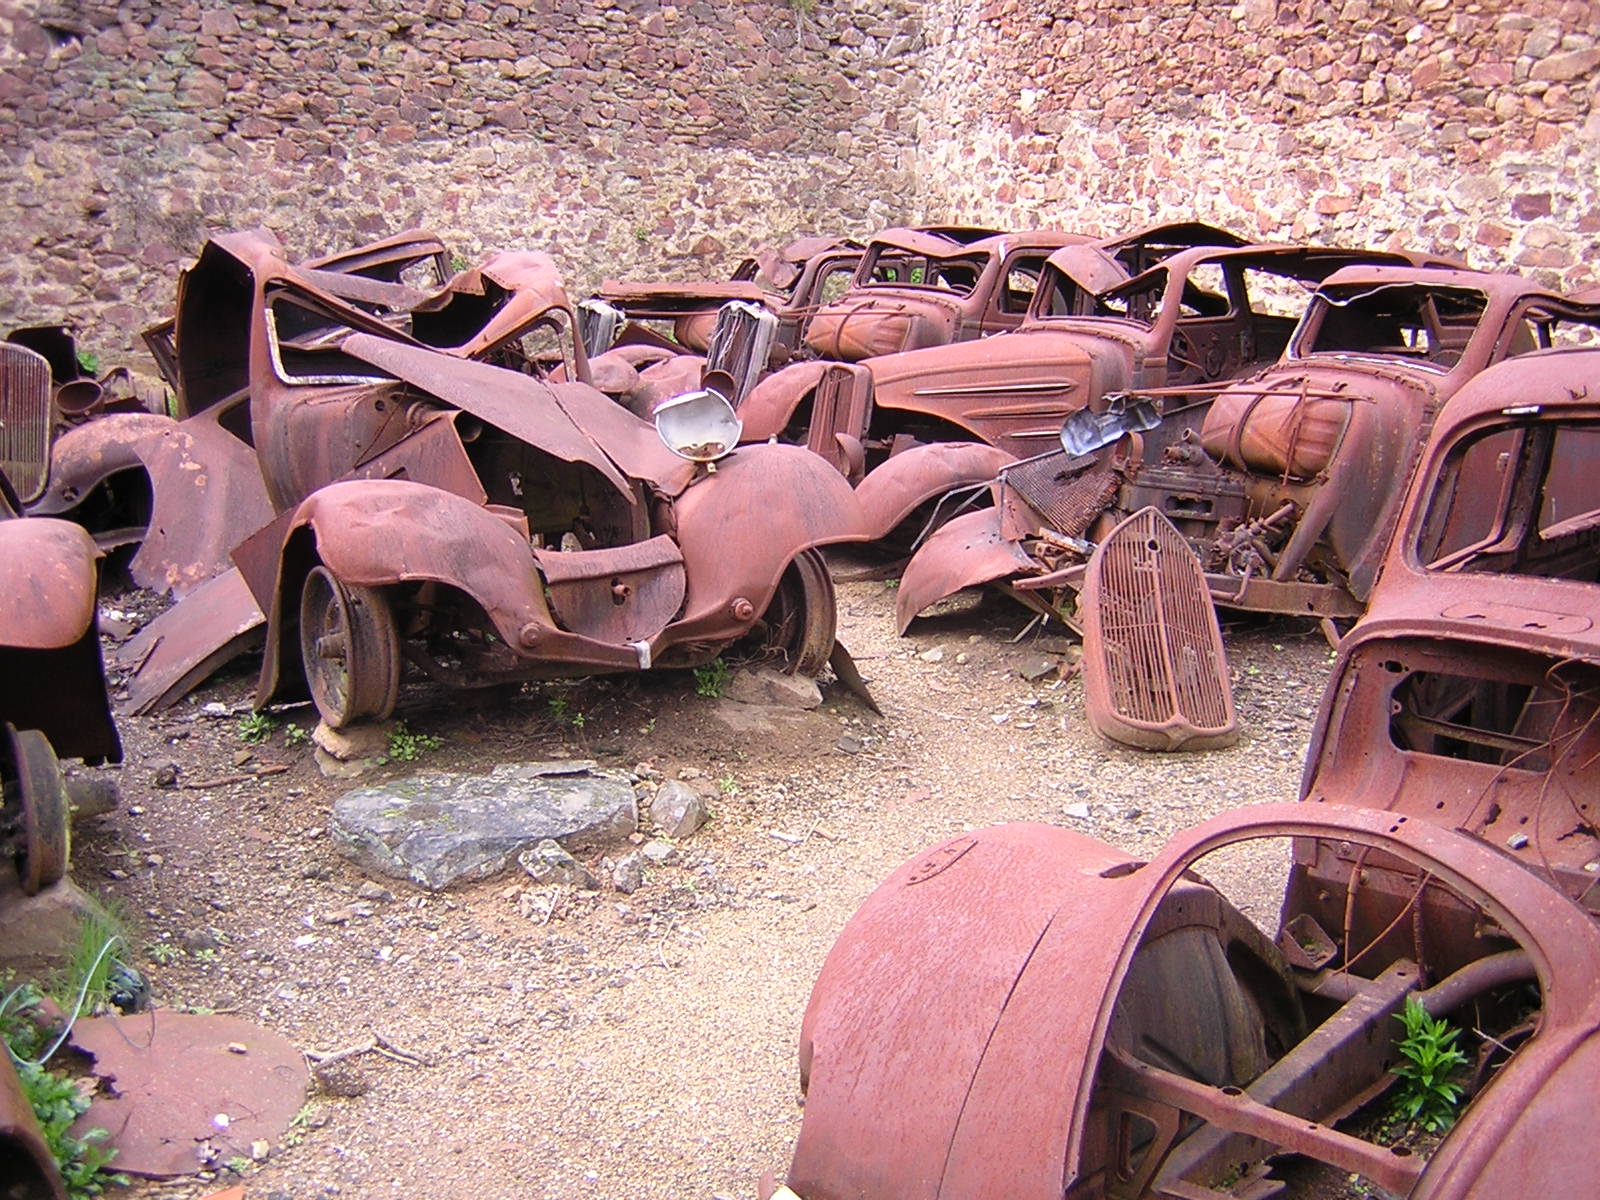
801, 622
350, 649
45, 839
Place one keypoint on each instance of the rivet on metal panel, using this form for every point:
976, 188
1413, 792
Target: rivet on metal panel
741, 609
940, 859
529, 634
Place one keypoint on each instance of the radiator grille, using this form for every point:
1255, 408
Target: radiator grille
24, 419
1159, 647
1069, 499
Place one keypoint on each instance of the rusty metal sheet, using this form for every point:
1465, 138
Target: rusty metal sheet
621, 594
1154, 672
896, 488
521, 406
189, 1091
214, 624
963, 553
207, 494
948, 1054
47, 583
26, 1164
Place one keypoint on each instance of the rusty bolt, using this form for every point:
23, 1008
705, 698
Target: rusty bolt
620, 592
528, 635
741, 609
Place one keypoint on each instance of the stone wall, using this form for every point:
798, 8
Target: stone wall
636, 138
1470, 128
629, 138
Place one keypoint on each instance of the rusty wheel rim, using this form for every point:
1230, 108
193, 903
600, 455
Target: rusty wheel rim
45, 842
350, 649
800, 624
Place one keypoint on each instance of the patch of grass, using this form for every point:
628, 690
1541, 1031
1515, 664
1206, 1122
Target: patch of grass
162, 953
405, 746
710, 679
89, 362
91, 960
459, 263
256, 728
55, 1099
294, 735
728, 785
1428, 1057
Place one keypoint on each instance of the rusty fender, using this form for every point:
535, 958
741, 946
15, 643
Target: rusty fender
86, 456
382, 532
51, 677
47, 583
953, 1038
31, 1169
966, 552
892, 491
741, 527
771, 403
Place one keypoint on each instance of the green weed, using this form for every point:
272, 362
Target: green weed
256, 728
55, 1099
89, 362
405, 746
1429, 1056
294, 735
711, 678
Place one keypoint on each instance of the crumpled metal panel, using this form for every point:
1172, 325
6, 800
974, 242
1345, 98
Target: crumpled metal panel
1154, 672
183, 1096
960, 554
214, 624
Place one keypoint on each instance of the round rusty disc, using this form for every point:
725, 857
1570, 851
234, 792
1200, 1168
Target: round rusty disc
42, 856
801, 622
350, 648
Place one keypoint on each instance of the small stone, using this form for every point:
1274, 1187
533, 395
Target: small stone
763, 685
341, 1079
166, 775
259, 1150
1132, 814
215, 710
677, 809
548, 863
662, 854
1078, 812
238, 1048
933, 656
848, 744
1036, 666
374, 891
628, 874
367, 740
242, 757
197, 940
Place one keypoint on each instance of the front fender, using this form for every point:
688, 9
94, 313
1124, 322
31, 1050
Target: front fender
892, 492
766, 411
381, 532
964, 553
47, 583
741, 526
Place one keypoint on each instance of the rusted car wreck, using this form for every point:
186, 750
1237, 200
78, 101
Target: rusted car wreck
1287, 482
1025, 1011
406, 478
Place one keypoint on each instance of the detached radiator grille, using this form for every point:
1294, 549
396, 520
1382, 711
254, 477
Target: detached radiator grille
24, 419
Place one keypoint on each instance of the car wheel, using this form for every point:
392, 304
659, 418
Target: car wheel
32, 768
801, 621
350, 649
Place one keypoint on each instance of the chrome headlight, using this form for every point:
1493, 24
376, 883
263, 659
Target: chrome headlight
700, 426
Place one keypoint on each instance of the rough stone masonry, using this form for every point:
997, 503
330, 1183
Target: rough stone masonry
667, 139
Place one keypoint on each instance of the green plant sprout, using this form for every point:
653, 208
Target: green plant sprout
1429, 1056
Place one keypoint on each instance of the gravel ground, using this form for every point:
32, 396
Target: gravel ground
604, 1045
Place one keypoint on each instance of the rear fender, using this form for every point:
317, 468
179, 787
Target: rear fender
740, 527
966, 552
893, 491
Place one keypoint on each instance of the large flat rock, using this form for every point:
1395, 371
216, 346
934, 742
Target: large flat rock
438, 828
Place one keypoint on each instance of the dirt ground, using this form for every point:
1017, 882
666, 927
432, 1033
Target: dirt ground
609, 1045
